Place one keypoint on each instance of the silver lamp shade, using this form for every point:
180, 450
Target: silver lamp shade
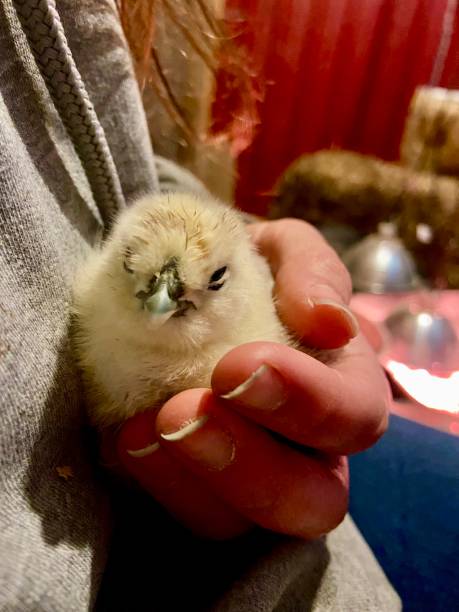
381, 264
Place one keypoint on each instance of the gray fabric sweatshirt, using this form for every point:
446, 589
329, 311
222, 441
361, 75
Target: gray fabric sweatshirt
74, 149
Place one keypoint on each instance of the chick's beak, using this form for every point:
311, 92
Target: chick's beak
160, 301
163, 300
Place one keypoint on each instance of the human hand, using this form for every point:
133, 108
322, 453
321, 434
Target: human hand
211, 461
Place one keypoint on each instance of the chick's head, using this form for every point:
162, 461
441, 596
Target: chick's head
183, 269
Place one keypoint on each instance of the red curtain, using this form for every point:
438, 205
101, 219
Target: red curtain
336, 73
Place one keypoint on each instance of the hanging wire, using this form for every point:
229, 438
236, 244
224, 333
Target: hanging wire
444, 45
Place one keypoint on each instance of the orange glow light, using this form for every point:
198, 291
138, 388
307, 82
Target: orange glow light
438, 393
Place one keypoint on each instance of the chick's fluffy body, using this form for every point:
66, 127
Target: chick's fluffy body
132, 360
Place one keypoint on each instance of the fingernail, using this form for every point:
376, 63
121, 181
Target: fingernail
350, 317
204, 441
143, 452
264, 389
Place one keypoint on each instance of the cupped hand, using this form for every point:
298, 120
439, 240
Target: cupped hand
267, 444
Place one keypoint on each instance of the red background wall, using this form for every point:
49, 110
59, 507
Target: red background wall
336, 73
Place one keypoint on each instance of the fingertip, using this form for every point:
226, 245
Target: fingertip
182, 408
241, 363
195, 433
136, 435
317, 315
328, 324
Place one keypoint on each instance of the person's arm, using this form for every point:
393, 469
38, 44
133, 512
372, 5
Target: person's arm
172, 177
224, 471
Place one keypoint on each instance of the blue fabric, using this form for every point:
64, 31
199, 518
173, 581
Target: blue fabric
405, 500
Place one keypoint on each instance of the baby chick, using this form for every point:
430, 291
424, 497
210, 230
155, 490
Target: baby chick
175, 287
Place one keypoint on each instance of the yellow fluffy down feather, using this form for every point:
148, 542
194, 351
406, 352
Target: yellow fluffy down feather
176, 285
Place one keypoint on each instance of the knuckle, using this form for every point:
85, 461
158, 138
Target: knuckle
331, 272
331, 517
372, 427
325, 264
336, 514
297, 226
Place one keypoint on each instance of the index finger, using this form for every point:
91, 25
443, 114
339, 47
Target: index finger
312, 285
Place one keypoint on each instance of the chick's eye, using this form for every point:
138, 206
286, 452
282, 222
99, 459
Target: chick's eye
217, 275
215, 281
